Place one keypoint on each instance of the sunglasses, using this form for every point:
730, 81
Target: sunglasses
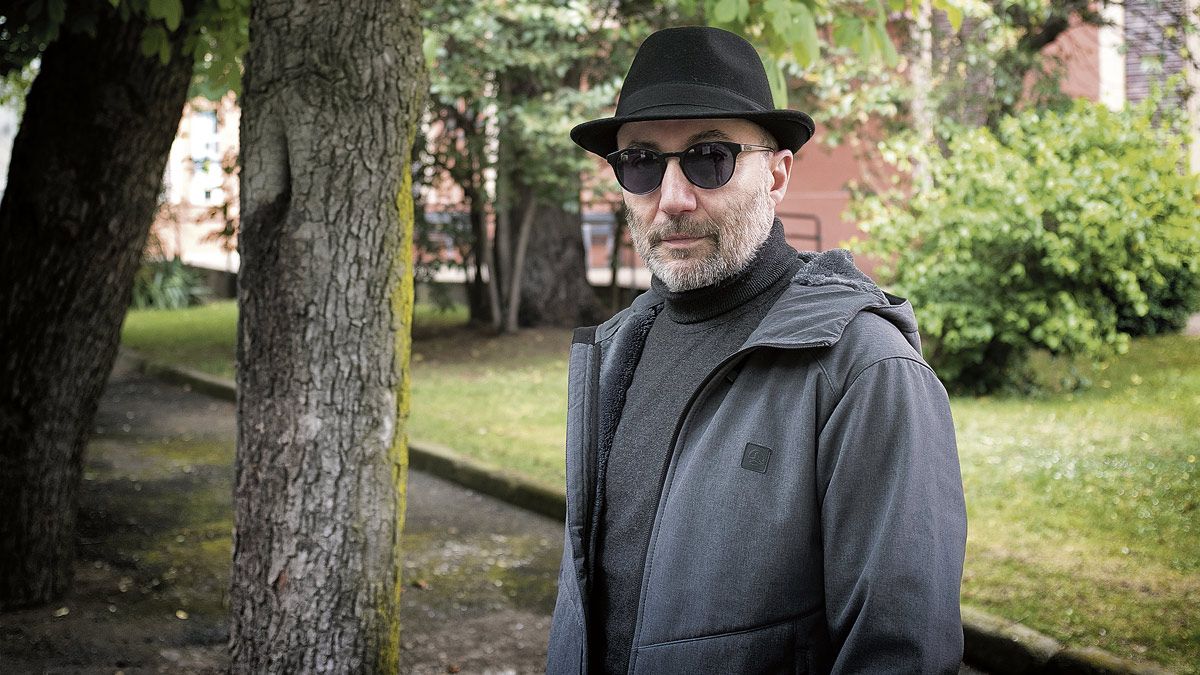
707, 165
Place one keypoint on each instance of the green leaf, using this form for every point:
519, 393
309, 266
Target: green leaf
807, 48
884, 46
778, 81
954, 15
170, 11
847, 33
725, 11
780, 18
152, 39
865, 45
430, 46
743, 11
164, 51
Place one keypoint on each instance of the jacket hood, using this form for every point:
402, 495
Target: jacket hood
825, 294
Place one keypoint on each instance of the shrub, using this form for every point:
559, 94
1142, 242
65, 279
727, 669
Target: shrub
167, 284
1062, 231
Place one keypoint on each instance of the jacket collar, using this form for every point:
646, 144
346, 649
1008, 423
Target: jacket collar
825, 294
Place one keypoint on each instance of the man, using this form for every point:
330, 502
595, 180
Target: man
761, 469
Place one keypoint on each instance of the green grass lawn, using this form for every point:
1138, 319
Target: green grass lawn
1082, 507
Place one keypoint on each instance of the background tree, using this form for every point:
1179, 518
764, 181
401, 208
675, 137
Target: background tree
86, 167
332, 96
509, 81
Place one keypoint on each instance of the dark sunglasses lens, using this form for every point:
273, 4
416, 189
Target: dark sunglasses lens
708, 165
640, 171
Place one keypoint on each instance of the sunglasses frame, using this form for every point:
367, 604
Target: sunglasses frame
660, 159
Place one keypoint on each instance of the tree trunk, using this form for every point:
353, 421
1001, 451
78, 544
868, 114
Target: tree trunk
86, 170
923, 112
554, 288
516, 273
615, 301
478, 302
332, 96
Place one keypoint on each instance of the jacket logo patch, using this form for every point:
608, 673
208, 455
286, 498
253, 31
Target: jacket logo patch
756, 457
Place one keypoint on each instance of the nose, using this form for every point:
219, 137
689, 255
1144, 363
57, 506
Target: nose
676, 194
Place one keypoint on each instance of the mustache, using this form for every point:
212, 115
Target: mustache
682, 226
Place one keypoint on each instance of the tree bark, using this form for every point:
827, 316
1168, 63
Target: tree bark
516, 273
332, 96
554, 286
615, 301
83, 184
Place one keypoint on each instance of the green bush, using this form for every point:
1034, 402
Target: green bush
167, 284
1062, 231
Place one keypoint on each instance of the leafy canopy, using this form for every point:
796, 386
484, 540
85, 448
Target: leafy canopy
214, 34
797, 31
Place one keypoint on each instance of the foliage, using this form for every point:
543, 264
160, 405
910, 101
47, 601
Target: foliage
167, 284
526, 68
1058, 232
215, 34
790, 31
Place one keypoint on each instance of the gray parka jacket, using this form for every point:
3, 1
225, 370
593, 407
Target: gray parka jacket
812, 516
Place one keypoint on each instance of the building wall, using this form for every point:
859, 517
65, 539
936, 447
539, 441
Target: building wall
198, 192
817, 195
1150, 56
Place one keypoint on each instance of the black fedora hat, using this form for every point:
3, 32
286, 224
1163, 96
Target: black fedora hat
696, 72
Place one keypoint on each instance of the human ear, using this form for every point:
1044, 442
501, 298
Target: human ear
780, 167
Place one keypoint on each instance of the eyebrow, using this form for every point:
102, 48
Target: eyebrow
710, 135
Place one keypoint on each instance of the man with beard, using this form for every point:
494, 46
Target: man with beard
762, 474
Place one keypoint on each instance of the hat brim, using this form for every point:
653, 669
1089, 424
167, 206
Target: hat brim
791, 128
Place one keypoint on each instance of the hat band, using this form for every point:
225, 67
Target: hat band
686, 93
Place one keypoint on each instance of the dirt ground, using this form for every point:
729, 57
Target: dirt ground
150, 594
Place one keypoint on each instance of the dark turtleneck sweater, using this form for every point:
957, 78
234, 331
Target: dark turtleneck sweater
693, 333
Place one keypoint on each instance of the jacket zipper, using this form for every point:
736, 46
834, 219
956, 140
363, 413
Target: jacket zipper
590, 479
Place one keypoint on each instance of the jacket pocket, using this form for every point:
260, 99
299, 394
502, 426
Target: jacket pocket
779, 647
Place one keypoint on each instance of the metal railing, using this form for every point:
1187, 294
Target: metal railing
814, 237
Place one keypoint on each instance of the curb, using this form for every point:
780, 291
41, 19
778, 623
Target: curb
423, 456
1001, 646
989, 642
508, 487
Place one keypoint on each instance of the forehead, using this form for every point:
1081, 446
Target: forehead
672, 135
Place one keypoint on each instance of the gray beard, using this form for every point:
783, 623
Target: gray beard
739, 232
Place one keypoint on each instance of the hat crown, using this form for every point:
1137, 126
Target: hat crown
695, 56
696, 72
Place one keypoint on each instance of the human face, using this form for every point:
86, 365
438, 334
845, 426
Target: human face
691, 237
